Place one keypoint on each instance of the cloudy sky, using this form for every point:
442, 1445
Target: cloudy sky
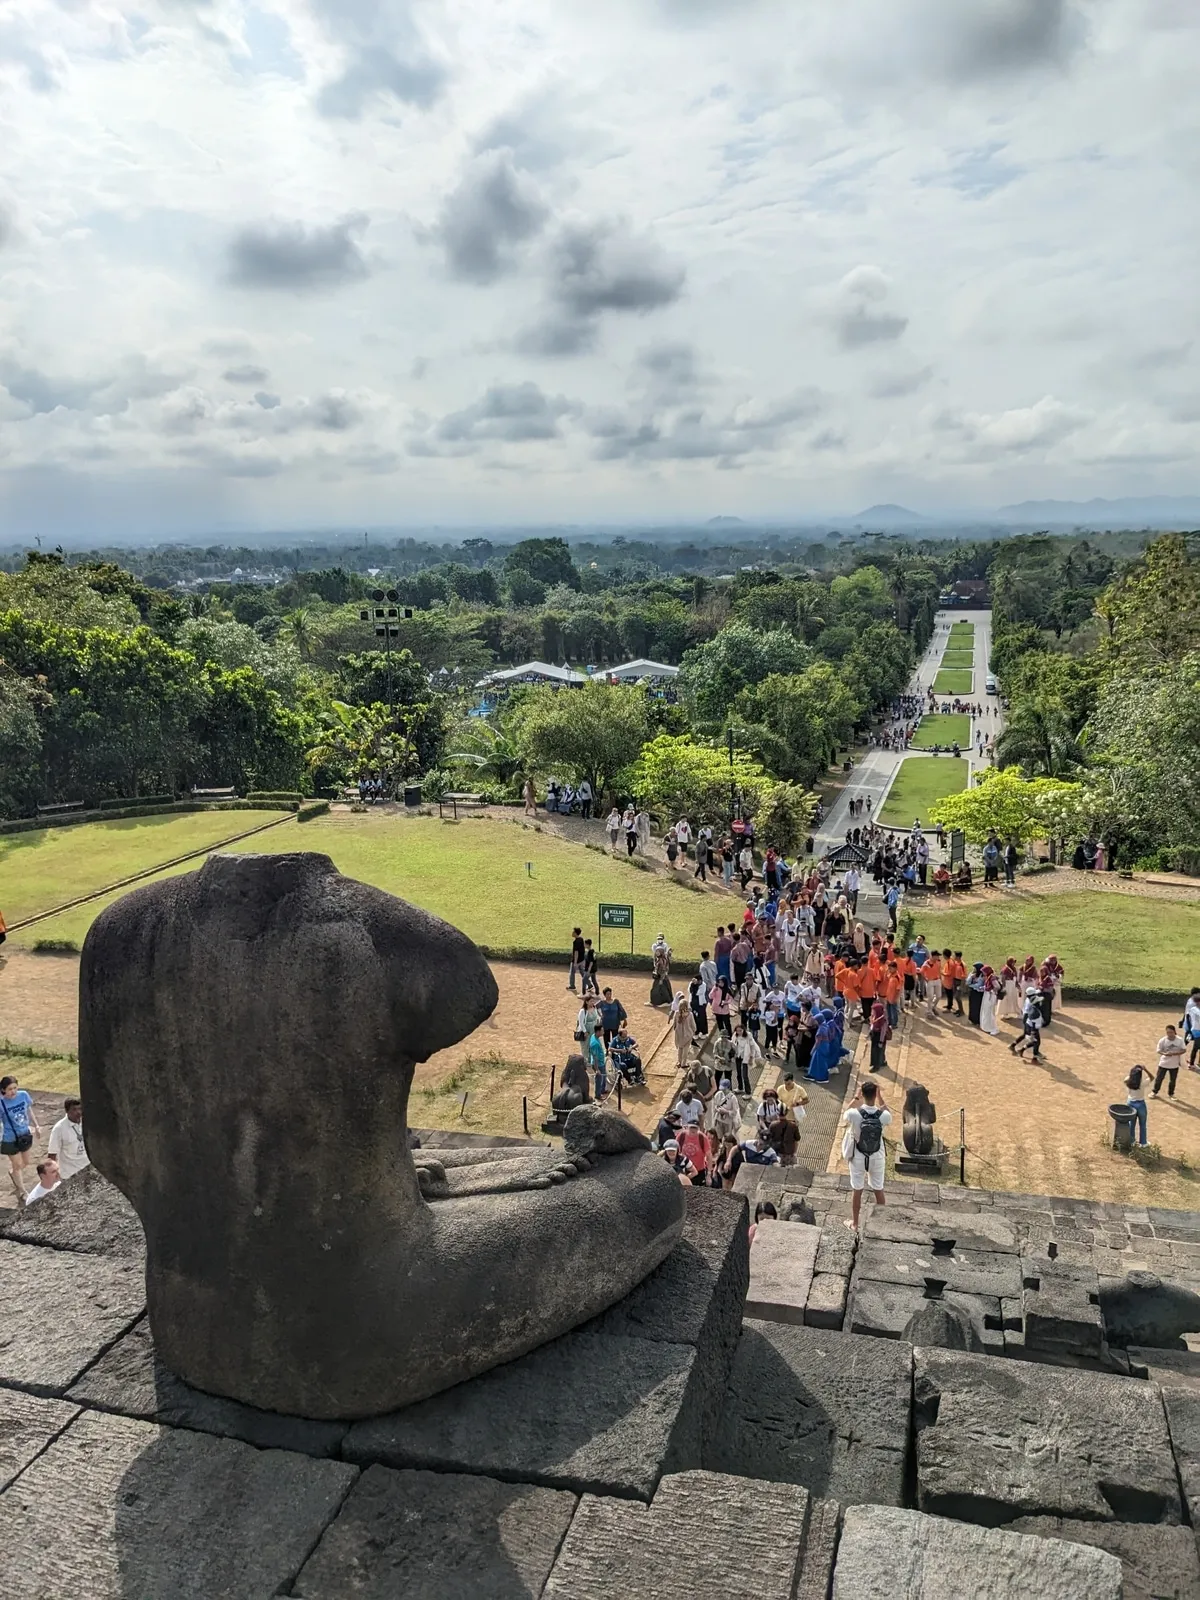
298, 263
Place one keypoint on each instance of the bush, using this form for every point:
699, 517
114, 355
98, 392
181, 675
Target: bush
1172, 858
437, 783
274, 794
311, 809
139, 800
55, 947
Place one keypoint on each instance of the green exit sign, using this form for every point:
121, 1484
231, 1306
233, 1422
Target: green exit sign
616, 917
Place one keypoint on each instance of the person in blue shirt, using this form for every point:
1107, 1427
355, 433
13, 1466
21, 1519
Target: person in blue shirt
598, 1056
18, 1125
612, 1015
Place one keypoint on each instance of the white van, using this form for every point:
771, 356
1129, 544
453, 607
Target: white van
990, 684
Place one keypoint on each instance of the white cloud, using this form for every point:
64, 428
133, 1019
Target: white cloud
874, 252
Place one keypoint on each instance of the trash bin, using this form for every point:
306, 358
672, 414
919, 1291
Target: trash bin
1123, 1118
412, 794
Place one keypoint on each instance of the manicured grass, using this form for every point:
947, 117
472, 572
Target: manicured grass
942, 730
48, 866
959, 658
474, 874
1105, 939
953, 681
920, 782
962, 630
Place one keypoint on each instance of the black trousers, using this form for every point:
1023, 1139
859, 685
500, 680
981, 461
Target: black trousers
1166, 1072
974, 1005
743, 1078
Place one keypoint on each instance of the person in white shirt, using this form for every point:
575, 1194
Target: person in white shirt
862, 1146
683, 832
853, 881
689, 1108
1191, 1025
1171, 1050
708, 972
66, 1141
48, 1180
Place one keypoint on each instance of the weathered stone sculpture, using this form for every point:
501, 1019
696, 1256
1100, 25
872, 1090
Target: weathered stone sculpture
1144, 1309
248, 1036
575, 1088
920, 1114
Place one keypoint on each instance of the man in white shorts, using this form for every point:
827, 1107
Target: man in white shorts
862, 1146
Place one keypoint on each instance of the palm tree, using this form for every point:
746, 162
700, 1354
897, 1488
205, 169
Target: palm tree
499, 758
297, 626
1038, 739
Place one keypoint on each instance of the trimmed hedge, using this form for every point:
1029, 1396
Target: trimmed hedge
138, 800
69, 818
616, 961
311, 809
275, 794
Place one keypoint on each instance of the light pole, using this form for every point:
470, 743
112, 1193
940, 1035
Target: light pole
386, 614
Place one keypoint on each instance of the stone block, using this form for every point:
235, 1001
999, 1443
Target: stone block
835, 1253
27, 1424
966, 1271
129, 1379
823, 1409
1179, 1369
918, 1224
698, 1518
781, 1271
437, 1536
888, 1554
1183, 1419
997, 1440
1157, 1563
820, 1550
1060, 1316
883, 1311
87, 1214
589, 1412
116, 1508
60, 1310
1038, 1268
696, 1296
826, 1306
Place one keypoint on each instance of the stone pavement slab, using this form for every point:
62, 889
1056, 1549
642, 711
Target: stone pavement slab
1157, 1563
60, 1311
918, 1224
968, 1271
438, 1536
745, 1538
588, 1412
823, 1409
123, 1510
889, 1554
87, 1213
999, 1439
883, 1310
27, 1424
781, 1271
129, 1379
1183, 1419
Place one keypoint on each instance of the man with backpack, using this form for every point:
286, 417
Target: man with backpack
862, 1146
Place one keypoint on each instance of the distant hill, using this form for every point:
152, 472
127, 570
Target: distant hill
1148, 511
724, 522
891, 517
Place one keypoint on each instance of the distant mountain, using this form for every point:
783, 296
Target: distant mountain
891, 517
1149, 511
724, 522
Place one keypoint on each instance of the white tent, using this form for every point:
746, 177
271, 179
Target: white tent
532, 672
635, 671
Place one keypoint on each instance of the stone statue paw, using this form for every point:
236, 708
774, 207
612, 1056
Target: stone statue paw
595, 1130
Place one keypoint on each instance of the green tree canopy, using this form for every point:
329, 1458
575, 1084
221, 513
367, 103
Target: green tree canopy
595, 731
1010, 806
714, 674
797, 723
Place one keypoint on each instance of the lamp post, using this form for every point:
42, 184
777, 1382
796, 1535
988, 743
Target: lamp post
732, 785
386, 615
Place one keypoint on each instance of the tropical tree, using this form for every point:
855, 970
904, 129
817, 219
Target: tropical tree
1038, 738
797, 723
1013, 807
593, 732
676, 777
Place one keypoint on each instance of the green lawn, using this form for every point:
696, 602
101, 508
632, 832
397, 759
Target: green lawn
47, 866
1102, 939
473, 873
943, 730
962, 630
952, 681
920, 781
959, 658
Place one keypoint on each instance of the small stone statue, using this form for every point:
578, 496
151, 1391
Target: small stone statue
248, 1035
576, 1086
920, 1114
661, 993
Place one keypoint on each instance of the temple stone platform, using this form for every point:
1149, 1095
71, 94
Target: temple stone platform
726, 1417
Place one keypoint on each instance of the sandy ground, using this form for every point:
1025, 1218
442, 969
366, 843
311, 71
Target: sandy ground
1044, 1129
509, 1057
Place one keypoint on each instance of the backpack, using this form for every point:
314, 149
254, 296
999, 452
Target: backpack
870, 1134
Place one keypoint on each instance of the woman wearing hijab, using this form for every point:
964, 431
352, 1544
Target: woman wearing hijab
721, 1006
698, 1005
814, 967
860, 939
725, 1111
1009, 1006
612, 828
1029, 974
806, 1038
1051, 979
988, 1004
880, 1034
826, 1049
683, 1025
